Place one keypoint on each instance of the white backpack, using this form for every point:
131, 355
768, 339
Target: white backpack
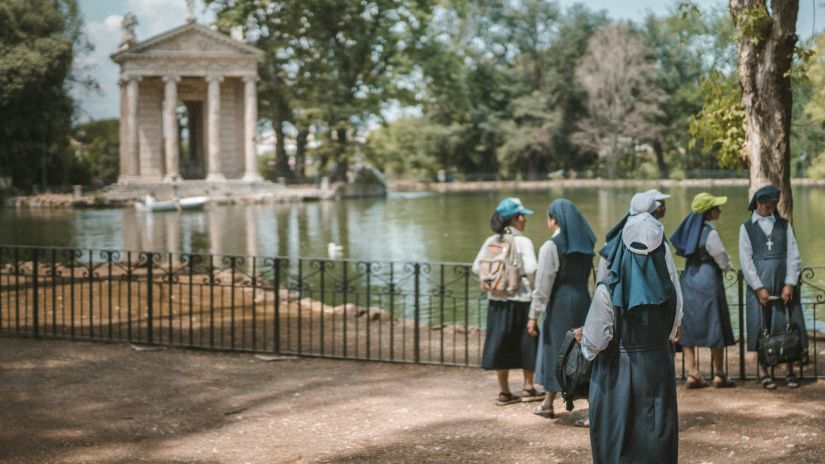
500, 267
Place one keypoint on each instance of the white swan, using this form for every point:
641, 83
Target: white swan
334, 251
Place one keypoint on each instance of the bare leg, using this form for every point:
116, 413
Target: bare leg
528, 379
718, 356
690, 360
503, 380
548, 398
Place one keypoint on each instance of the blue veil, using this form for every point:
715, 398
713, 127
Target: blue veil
575, 234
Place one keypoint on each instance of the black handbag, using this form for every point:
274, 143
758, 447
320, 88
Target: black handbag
780, 347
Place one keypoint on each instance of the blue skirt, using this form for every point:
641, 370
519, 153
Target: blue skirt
508, 345
567, 310
706, 318
633, 416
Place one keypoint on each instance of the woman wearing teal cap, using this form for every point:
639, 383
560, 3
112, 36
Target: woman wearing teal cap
706, 319
507, 344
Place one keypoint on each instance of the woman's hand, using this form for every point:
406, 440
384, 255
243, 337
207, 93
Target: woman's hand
763, 296
787, 293
531, 327
678, 335
579, 333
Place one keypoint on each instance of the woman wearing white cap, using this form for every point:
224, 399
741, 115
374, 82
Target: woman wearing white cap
507, 344
634, 317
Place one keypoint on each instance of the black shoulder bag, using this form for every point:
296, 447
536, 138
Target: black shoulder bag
780, 347
572, 370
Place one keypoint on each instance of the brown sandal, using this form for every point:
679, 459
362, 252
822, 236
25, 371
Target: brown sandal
724, 382
505, 398
695, 381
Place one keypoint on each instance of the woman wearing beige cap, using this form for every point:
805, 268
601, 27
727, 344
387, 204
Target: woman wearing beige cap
706, 320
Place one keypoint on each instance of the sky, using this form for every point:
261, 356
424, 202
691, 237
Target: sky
102, 19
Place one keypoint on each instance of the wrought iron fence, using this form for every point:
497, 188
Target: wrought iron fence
410, 312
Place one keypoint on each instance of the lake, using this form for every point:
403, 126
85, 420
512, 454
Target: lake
401, 227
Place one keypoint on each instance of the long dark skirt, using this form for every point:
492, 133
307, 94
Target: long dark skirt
508, 345
633, 416
567, 310
706, 319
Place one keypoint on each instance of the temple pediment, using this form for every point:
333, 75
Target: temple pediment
188, 40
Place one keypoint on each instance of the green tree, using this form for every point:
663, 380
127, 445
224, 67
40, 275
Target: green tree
343, 61
809, 124
99, 149
39, 40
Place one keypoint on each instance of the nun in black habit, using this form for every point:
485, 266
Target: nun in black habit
632, 322
769, 258
561, 293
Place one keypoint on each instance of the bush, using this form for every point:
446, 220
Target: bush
817, 169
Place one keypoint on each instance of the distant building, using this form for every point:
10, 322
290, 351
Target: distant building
188, 106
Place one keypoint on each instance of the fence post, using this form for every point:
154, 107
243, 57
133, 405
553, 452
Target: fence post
276, 322
149, 297
417, 314
742, 347
35, 294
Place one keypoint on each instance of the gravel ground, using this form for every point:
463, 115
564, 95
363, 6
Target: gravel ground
84, 402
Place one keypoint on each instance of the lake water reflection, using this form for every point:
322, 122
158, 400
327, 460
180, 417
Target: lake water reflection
402, 227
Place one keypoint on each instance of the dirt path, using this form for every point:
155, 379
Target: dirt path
96, 403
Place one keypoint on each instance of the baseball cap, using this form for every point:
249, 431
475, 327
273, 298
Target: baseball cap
511, 206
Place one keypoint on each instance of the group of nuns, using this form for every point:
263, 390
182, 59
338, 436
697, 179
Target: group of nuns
639, 310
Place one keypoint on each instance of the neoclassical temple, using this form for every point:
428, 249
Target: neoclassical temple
188, 106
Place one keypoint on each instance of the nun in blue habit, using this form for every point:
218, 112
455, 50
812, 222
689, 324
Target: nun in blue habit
632, 322
770, 261
706, 322
560, 293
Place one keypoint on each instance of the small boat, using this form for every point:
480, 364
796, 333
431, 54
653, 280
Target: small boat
171, 205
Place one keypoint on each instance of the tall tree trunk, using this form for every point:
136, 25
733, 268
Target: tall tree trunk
765, 58
281, 162
532, 166
659, 150
341, 161
301, 151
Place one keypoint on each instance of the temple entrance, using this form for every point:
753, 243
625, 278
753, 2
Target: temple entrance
192, 140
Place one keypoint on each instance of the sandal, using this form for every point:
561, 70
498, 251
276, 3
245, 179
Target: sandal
695, 381
768, 383
723, 382
545, 410
531, 395
505, 398
792, 382
582, 423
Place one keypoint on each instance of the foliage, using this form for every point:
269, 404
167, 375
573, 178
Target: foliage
98, 149
39, 40
809, 127
720, 125
330, 64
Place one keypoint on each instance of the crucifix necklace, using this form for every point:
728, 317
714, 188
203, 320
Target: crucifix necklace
769, 243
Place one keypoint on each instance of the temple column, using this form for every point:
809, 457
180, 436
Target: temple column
130, 170
213, 147
250, 124
170, 128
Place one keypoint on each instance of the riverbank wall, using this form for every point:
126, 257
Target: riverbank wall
229, 192
503, 185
